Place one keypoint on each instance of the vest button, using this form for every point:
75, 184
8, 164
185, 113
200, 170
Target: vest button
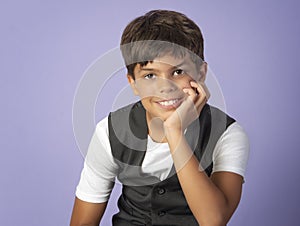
161, 213
161, 191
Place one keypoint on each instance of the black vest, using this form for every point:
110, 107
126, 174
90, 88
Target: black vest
145, 200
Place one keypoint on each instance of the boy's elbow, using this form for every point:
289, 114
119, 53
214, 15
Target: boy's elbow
213, 223
83, 224
213, 220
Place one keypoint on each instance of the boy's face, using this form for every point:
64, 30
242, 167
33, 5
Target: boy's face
160, 84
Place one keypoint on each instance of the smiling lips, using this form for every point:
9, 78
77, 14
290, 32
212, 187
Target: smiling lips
170, 104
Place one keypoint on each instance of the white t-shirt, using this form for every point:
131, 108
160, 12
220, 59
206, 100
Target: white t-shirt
99, 171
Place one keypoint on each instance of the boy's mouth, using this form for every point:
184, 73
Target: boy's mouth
169, 104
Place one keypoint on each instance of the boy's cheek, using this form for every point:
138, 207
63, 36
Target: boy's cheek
146, 92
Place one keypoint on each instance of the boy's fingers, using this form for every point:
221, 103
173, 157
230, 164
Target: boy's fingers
201, 89
205, 90
198, 93
190, 92
202, 97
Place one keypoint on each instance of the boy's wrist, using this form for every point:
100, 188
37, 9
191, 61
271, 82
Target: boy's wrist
173, 133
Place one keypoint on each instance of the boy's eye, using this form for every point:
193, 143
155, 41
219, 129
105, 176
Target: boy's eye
149, 76
178, 72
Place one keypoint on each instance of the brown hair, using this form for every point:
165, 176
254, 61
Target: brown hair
159, 32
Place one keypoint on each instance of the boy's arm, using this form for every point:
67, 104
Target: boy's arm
212, 200
87, 214
96, 181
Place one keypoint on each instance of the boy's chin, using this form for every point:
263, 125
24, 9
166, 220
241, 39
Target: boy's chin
161, 117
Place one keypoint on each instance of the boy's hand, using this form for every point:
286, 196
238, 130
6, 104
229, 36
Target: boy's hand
196, 97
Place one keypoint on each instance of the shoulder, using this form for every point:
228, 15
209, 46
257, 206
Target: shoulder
235, 132
100, 148
232, 150
101, 136
234, 137
102, 128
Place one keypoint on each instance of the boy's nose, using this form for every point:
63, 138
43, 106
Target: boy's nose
166, 86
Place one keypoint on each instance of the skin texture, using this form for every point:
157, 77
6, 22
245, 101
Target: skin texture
173, 93
166, 78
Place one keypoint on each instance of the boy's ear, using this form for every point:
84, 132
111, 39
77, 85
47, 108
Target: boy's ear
132, 83
203, 71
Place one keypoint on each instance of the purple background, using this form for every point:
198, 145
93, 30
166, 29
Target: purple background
252, 47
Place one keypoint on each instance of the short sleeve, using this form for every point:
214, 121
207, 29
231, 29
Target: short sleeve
232, 151
99, 171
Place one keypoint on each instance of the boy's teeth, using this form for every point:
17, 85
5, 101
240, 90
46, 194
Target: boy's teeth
168, 103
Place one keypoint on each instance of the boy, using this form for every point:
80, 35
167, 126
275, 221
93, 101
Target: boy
181, 161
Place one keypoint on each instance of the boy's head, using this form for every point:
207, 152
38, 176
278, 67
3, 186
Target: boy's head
161, 32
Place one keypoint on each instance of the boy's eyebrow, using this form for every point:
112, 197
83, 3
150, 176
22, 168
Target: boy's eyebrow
173, 67
147, 69
179, 65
